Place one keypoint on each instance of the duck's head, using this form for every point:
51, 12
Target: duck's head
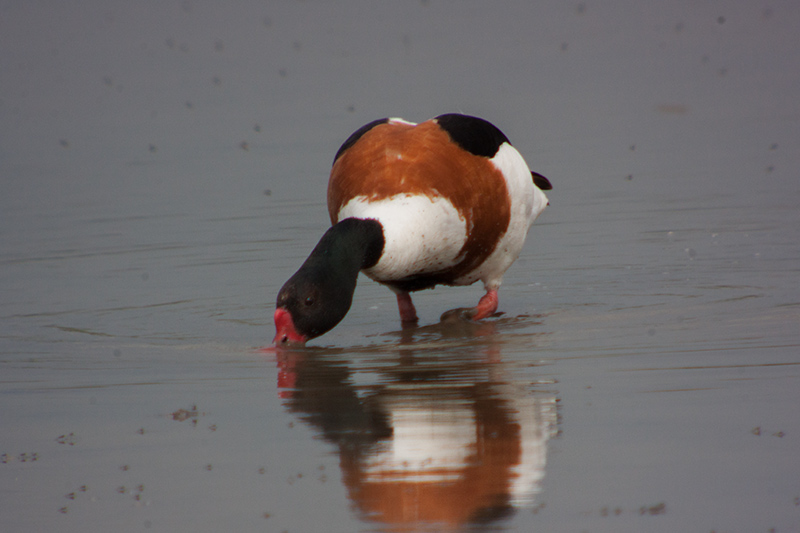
308, 306
319, 294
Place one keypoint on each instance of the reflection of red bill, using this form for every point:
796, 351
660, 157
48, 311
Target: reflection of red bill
286, 380
287, 375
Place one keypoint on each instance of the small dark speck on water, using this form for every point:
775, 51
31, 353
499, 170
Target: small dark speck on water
68, 438
182, 415
64, 143
267, 192
657, 509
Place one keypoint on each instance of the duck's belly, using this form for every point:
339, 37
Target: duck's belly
423, 234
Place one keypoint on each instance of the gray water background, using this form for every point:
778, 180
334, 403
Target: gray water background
163, 171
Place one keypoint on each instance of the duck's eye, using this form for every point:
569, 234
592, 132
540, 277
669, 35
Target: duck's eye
309, 300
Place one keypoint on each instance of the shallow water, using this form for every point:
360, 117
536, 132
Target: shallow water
164, 172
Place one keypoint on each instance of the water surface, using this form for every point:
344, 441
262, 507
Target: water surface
164, 171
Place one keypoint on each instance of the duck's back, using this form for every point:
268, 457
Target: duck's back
455, 199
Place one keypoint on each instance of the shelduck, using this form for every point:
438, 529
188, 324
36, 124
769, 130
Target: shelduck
448, 201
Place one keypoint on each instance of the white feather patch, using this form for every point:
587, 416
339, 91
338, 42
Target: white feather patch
422, 234
398, 120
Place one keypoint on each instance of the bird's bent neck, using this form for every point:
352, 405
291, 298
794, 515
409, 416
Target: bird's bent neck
346, 248
319, 294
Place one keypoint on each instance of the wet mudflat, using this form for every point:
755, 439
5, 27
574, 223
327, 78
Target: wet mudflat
164, 171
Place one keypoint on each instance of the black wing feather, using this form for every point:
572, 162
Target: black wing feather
473, 134
541, 182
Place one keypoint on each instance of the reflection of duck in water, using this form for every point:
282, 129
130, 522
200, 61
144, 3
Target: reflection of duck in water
448, 201
441, 437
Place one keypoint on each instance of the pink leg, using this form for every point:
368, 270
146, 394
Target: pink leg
487, 305
408, 314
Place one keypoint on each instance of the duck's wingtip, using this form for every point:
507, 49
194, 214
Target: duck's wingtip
541, 182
